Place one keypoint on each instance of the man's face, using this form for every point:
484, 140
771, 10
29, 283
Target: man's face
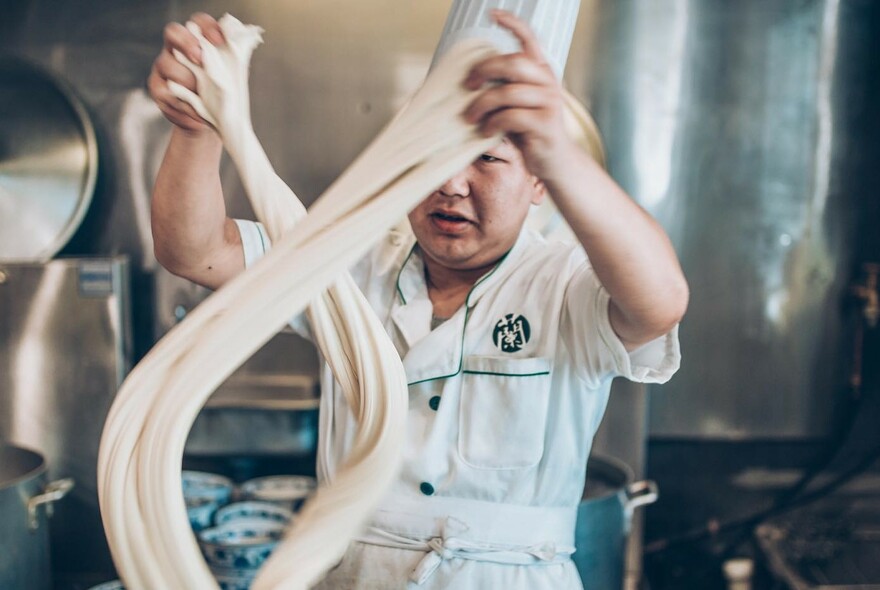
475, 216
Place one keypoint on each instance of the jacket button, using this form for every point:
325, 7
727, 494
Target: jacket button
427, 488
434, 402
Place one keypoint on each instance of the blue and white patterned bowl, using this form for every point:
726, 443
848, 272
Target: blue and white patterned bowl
112, 585
200, 512
232, 579
240, 545
200, 484
289, 491
253, 511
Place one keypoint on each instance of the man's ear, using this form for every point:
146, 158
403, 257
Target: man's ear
539, 191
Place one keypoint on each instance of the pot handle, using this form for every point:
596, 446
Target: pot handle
640, 493
53, 492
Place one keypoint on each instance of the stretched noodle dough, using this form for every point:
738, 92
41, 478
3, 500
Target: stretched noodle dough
142, 446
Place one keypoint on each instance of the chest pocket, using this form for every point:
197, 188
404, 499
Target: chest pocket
503, 411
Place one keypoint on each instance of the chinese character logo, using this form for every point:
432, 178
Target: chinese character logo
510, 333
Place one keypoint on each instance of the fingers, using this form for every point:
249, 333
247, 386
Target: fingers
178, 37
518, 124
210, 28
513, 67
526, 100
521, 30
167, 69
528, 65
510, 96
175, 110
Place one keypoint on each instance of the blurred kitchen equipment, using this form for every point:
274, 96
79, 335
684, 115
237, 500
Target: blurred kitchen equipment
48, 163
604, 521
269, 414
26, 503
64, 349
869, 294
738, 573
831, 545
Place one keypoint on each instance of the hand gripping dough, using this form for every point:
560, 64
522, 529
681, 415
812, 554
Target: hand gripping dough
142, 446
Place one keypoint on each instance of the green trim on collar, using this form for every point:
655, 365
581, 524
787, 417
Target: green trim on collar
400, 272
467, 372
480, 280
467, 313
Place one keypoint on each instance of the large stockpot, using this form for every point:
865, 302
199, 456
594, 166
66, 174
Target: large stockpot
604, 520
25, 505
48, 164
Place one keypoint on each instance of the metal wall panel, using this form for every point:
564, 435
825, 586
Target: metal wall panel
65, 346
736, 124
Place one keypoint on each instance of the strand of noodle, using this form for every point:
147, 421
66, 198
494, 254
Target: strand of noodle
142, 447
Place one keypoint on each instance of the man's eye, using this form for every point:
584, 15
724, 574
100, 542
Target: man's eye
488, 158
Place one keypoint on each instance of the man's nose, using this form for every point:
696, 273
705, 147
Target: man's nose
456, 186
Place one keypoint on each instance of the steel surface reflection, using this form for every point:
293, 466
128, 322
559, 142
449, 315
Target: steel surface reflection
48, 163
725, 121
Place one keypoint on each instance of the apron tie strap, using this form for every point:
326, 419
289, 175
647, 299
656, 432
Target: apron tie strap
443, 549
480, 531
451, 545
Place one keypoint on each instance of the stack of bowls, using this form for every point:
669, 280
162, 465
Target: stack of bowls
236, 549
204, 493
239, 537
252, 511
245, 536
236, 537
289, 491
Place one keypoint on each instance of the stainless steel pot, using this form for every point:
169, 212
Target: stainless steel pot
25, 506
48, 162
604, 520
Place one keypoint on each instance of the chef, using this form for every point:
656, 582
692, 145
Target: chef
509, 342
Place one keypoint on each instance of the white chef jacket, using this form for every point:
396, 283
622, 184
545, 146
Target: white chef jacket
504, 400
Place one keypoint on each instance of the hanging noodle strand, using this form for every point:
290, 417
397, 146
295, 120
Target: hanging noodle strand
143, 441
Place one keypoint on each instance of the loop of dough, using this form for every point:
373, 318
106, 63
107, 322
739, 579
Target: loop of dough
143, 441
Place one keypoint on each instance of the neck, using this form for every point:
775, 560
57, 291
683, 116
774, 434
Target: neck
443, 279
448, 287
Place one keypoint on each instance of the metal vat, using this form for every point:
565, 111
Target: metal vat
604, 521
25, 505
748, 130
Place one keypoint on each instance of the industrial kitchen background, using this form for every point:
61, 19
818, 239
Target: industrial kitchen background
748, 128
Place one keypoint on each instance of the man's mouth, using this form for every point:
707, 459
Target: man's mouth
449, 222
448, 216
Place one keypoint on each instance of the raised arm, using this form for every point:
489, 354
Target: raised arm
630, 252
193, 238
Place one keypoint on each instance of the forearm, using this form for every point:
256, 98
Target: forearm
192, 236
629, 251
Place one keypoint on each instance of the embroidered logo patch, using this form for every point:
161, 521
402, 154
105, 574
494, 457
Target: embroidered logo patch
511, 333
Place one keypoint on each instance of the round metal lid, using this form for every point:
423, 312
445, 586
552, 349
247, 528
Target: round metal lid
48, 163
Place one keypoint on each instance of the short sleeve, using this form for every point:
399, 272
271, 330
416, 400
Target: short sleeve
597, 351
254, 240
255, 243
